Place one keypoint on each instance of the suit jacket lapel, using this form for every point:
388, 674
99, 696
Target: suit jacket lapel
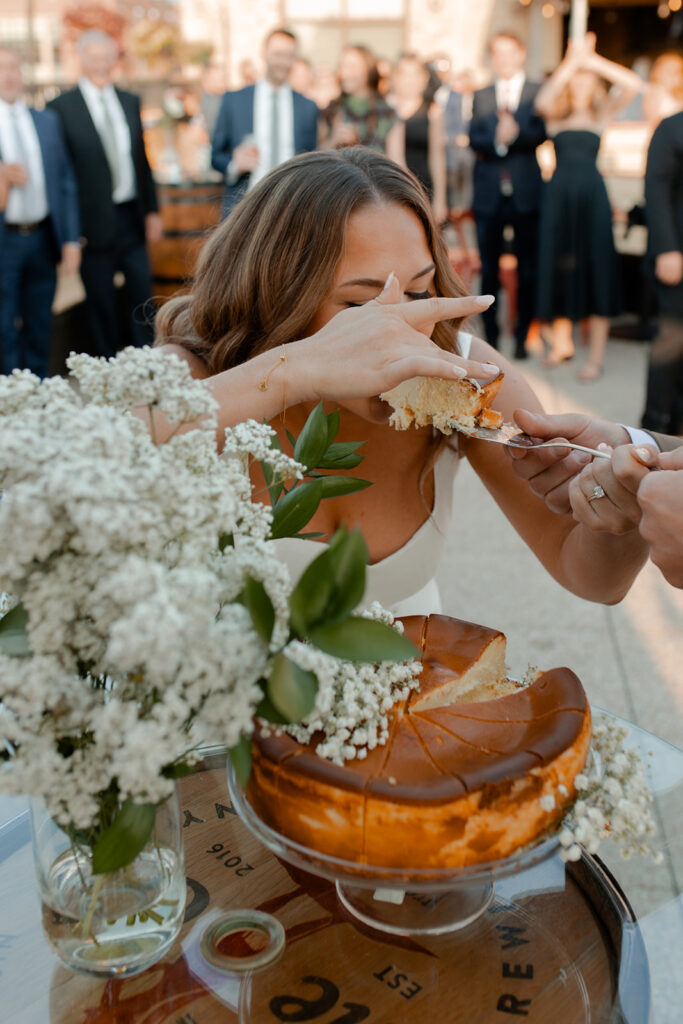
86, 121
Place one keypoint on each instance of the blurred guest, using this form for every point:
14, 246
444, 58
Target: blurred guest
578, 268
360, 116
213, 84
247, 72
116, 193
301, 77
425, 151
39, 222
459, 157
325, 87
504, 133
664, 210
439, 68
264, 124
664, 93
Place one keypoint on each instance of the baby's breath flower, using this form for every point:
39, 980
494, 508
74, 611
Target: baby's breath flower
603, 809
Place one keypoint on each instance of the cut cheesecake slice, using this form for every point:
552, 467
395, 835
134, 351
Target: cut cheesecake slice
433, 401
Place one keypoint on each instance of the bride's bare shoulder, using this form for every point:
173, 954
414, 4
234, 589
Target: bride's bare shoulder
198, 368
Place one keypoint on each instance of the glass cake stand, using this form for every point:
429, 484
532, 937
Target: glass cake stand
400, 901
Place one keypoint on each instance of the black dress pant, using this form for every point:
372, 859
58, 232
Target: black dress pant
490, 228
127, 254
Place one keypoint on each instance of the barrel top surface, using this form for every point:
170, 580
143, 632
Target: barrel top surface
551, 939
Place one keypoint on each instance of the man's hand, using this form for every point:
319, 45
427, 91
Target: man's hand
549, 470
245, 157
660, 497
154, 228
15, 174
71, 258
507, 129
669, 267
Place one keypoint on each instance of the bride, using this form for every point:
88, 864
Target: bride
330, 281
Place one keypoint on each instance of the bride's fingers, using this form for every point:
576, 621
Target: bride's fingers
423, 312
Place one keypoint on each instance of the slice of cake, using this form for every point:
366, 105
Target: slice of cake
476, 765
433, 401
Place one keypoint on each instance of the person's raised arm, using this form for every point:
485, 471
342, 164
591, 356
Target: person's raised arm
437, 162
598, 566
358, 354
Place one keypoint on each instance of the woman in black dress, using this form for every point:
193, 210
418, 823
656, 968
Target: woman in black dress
422, 120
578, 270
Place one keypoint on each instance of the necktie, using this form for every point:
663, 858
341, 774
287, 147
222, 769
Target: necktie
274, 129
110, 144
26, 204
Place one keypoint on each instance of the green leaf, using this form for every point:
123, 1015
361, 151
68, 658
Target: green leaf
291, 438
332, 585
178, 771
312, 441
240, 755
337, 486
296, 509
359, 639
266, 709
332, 426
310, 536
126, 836
13, 633
342, 456
291, 689
255, 597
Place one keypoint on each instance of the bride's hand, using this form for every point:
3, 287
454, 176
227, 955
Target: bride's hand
366, 350
549, 471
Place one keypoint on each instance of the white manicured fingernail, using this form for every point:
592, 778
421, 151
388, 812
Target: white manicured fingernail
645, 455
389, 281
490, 367
484, 300
459, 372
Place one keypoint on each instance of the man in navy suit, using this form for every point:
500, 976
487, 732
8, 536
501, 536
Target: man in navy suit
264, 124
117, 195
39, 222
504, 133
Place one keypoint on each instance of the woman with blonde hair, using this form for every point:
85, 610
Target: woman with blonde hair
578, 270
330, 282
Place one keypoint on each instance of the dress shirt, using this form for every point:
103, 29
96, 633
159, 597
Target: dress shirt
509, 91
263, 109
9, 155
94, 98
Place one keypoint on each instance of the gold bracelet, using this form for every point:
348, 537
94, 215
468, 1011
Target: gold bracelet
263, 384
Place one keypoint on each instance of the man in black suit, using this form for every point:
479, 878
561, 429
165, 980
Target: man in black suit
664, 212
504, 134
116, 193
39, 222
264, 124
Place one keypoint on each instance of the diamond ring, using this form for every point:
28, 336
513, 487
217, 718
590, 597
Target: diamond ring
597, 492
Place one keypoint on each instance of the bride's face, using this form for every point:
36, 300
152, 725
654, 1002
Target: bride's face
381, 238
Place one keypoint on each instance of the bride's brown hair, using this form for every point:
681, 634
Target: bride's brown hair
266, 269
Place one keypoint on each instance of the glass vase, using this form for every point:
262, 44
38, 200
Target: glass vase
115, 924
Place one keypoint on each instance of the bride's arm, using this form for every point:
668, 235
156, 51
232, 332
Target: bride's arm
596, 566
358, 354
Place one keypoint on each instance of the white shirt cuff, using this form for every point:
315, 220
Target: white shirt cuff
639, 436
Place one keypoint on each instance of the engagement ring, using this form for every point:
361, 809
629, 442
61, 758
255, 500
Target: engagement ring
597, 492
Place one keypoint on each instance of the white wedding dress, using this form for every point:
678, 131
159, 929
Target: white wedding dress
404, 582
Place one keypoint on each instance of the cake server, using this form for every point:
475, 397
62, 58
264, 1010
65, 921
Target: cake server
512, 436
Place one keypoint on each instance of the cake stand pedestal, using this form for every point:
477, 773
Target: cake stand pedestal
397, 900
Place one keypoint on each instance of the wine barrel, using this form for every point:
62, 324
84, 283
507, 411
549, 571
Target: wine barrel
189, 212
560, 946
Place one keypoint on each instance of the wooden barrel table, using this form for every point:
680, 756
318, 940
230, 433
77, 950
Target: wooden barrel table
559, 947
189, 211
